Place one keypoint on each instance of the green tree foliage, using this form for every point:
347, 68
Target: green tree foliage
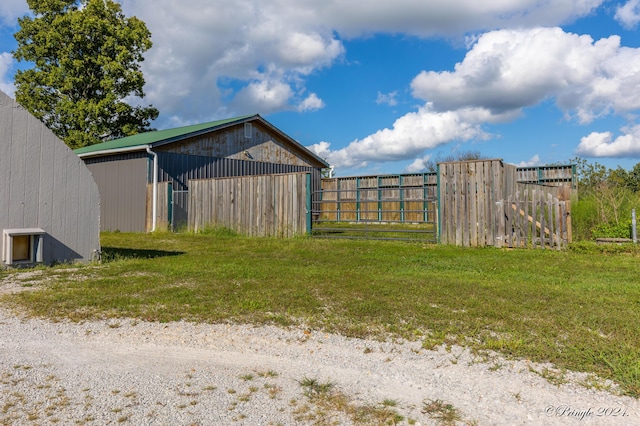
86, 58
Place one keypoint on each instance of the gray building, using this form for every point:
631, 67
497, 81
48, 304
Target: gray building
49, 202
130, 170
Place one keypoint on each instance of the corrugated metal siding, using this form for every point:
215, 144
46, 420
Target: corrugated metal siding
117, 157
180, 168
122, 181
45, 185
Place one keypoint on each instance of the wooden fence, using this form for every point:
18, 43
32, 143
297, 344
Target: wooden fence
162, 207
534, 217
481, 203
265, 205
468, 196
389, 199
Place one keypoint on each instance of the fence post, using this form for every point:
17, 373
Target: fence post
438, 211
170, 206
499, 224
308, 209
633, 226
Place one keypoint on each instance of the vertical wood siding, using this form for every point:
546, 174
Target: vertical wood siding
481, 203
267, 205
45, 185
263, 146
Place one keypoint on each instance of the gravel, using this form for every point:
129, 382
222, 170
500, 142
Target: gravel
127, 371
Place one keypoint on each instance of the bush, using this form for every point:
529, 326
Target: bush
610, 230
584, 216
613, 249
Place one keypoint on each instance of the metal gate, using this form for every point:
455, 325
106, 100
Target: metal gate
383, 208
179, 210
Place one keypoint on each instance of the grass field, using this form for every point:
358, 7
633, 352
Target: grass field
579, 309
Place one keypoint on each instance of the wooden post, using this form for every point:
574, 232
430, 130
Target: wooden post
308, 209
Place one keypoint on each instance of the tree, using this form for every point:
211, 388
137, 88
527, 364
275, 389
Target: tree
431, 165
606, 199
86, 58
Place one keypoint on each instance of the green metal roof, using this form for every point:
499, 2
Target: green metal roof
148, 138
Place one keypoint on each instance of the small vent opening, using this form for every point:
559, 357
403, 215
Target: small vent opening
22, 246
248, 130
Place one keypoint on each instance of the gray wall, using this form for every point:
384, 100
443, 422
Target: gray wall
43, 184
123, 188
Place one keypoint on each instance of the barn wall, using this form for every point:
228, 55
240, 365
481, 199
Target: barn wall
45, 185
122, 181
263, 146
123, 178
181, 168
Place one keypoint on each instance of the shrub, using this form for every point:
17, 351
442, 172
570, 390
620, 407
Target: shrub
611, 230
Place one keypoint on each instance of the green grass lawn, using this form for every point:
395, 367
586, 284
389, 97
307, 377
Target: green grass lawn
579, 308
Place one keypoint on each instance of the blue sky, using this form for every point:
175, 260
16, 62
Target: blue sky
383, 87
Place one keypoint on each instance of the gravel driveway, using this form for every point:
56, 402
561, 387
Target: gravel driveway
139, 373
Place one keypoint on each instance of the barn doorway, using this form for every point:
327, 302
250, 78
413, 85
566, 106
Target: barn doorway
179, 210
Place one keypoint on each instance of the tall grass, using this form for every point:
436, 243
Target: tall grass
579, 309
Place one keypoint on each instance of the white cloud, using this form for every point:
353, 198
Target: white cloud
436, 17
388, 98
220, 58
410, 135
311, 103
10, 10
629, 14
533, 161
208, 51
265, 96
419, 165
504, 72
6, 62
508, 70
603, 144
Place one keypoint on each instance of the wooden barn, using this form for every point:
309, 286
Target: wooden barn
49, 202
144, 178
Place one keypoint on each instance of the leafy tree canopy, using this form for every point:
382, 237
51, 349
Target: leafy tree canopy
86, 58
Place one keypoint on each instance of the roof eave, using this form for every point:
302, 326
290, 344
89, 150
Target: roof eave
114, 151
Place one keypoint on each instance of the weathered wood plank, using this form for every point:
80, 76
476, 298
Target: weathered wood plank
267, 205
458, 203
474, 198
466, 205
